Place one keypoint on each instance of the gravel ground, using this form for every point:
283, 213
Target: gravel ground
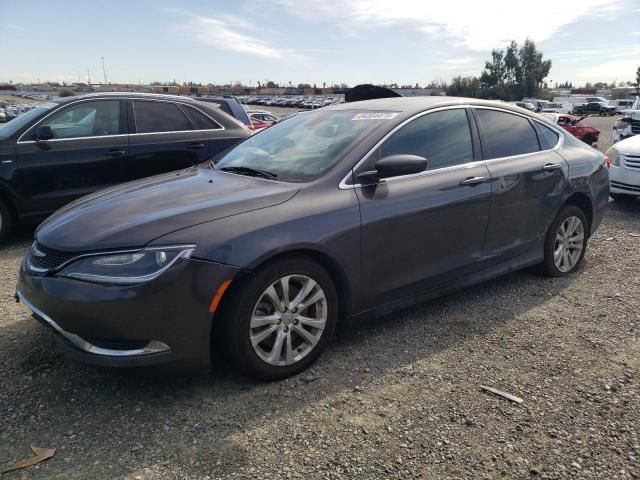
397, 397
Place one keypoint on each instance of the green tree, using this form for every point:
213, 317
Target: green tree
638, 77
515, 72
464, 87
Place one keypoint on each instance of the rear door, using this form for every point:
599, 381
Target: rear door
85, 154
528, 180
165, 139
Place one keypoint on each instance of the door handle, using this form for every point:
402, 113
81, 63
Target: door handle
116, 153
197, 146
471, 181
549, 167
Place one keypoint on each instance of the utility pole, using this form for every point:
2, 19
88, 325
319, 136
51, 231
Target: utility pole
104, 72
88, 77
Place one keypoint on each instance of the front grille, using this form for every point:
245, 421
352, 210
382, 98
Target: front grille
632, 161
48, 258
625, 186
635, 126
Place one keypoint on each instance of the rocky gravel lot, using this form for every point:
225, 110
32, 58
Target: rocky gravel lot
397, 397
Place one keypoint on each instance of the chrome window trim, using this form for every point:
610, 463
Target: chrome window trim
343, 185
96, 99
153, 346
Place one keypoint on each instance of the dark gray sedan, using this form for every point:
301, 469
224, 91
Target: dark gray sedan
351, 210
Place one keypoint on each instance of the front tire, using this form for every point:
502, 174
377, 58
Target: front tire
281, 318
6, 221
565, 243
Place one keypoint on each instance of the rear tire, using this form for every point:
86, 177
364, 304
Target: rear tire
565, 243
271, 334
6, 221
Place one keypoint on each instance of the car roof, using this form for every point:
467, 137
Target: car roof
413, 105
155, 96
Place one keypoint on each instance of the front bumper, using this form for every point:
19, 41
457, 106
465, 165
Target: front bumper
624, 179
165, 321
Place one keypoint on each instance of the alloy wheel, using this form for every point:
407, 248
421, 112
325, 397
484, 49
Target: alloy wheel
288, 320
569, 244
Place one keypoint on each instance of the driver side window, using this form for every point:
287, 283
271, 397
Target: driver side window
442, 137
86, 119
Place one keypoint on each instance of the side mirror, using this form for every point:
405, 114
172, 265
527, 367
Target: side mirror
395, 166
43, 132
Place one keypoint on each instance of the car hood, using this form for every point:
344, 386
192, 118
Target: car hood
133, 214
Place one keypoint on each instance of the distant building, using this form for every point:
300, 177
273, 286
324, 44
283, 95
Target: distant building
171, 89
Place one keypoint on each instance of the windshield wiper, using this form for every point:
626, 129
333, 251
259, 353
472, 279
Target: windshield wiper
253, 172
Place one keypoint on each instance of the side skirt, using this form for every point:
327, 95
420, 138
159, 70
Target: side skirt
534, 256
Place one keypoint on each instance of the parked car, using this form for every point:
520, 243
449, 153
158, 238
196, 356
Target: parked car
601, 108
556, 107
621, 105
526, 105
231, 106
538, 104
259, 124
62, 150
571, 124
351, 210
3, 115
629, 124
625, 169
262, 116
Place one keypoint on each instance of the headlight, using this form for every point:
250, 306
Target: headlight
614, 156
126, 268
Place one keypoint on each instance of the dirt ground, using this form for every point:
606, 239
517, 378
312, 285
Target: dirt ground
398, 397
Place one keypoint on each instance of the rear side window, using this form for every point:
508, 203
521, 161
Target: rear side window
443, 138
152, 117
200, 120
505, 134
549, 137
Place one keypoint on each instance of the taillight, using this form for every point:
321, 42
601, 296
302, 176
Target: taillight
607, 161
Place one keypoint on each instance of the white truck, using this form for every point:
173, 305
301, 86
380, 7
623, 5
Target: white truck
629, 124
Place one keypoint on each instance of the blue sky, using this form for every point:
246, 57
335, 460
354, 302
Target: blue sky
332, 41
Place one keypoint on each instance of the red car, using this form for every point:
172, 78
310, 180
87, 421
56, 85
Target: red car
259, 124
571, 124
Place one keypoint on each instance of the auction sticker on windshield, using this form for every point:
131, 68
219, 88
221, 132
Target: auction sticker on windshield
375, 116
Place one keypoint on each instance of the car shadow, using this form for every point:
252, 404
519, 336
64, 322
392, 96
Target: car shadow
126, 422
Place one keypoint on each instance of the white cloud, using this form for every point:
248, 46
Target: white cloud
621, 69
217, 32
477, 25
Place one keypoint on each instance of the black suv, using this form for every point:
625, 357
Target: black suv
63, 150
601, 108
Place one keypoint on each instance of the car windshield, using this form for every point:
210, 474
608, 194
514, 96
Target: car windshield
305, 146
17, 123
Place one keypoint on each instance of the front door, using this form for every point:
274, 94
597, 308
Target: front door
420, 231
89, 142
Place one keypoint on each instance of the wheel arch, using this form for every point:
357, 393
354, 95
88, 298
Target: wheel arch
584, 203
339, 276
8, 201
